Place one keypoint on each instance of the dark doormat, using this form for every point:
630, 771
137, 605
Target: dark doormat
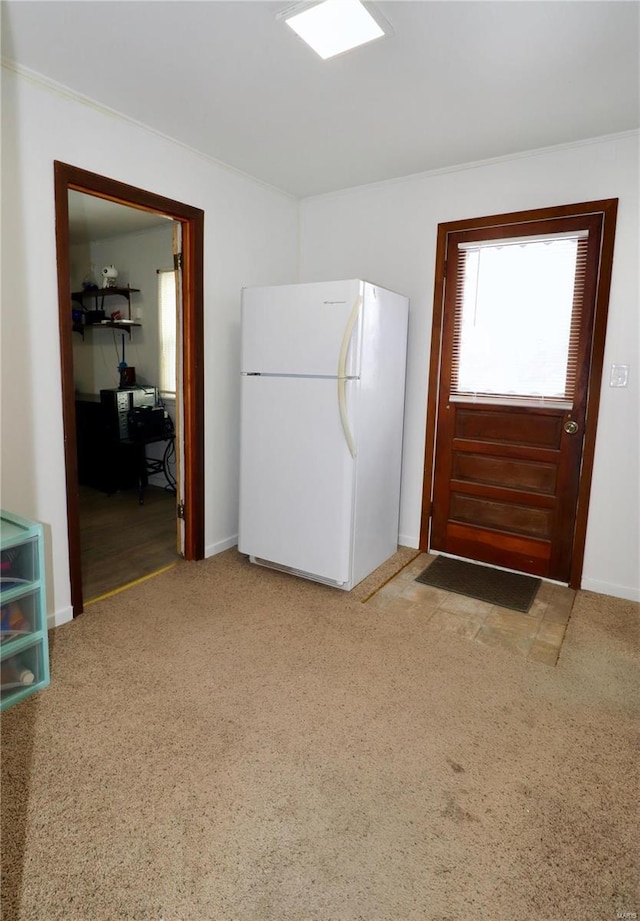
506, 589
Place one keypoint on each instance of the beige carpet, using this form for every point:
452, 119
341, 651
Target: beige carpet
227, 743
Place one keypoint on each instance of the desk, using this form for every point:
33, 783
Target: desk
144, 466
110, 464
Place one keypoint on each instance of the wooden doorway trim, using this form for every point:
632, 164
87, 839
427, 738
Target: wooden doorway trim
608, 209
68, 178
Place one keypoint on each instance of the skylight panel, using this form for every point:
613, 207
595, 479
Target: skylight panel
333, 26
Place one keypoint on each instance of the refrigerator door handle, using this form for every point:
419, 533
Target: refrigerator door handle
342, 369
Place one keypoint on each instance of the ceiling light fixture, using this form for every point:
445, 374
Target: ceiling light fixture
331, 27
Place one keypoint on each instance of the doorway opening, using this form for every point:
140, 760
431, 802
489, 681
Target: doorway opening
519, 324
127, 397
186, 472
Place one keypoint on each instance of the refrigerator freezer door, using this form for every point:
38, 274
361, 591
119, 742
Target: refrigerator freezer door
296, 476
302, 329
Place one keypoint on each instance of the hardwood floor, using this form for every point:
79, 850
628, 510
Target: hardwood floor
121, 540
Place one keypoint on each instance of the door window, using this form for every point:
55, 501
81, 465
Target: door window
517, 317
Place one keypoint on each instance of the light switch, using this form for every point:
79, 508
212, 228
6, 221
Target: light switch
619, 375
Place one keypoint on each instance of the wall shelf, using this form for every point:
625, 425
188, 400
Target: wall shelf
98, 295
108, 324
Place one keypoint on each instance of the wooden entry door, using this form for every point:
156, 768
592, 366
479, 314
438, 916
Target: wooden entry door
518, 343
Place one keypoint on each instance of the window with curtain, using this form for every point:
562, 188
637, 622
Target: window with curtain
167, 331
517, 317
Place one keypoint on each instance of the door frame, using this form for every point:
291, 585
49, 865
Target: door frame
66, 178
608, 209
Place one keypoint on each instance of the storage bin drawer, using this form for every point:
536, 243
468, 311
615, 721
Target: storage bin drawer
24, 645
22, 673
19, 565
19, 617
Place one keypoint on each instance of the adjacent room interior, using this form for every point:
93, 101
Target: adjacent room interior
124, 349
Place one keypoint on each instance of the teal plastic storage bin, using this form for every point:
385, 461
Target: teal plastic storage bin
24, 644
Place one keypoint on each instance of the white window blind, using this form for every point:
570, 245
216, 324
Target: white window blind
167, 331
518, 304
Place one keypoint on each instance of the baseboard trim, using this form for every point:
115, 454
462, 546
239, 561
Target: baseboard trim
404, 540
609, 588
220, 546
63, 616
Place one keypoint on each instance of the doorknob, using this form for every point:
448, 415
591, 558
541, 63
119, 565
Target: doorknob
571, 427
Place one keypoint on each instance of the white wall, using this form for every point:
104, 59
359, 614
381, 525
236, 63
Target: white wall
386, 233
250, 238
80, 264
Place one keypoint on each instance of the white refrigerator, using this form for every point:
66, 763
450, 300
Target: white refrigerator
322, 407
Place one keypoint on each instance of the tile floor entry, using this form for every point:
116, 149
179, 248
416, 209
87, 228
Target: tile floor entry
536, 635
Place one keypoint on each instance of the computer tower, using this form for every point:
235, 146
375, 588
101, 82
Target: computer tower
146, 422
118, 404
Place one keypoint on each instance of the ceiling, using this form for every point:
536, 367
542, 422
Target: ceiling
457, 82
92, 219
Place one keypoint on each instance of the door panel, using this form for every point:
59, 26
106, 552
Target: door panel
487, 469
510, 427
498, 471
507, 465
502, 516
510, 551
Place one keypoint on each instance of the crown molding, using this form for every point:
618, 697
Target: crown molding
66, 92
476, 164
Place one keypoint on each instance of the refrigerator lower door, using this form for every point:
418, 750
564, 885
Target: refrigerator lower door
296, 477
